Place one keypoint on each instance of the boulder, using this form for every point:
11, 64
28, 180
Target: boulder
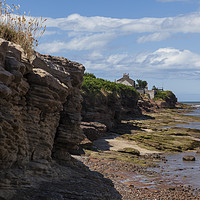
188, 158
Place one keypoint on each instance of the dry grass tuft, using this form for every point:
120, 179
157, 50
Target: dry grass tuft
20, 29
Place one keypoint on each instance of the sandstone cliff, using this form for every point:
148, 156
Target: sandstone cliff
40, 106
107, 102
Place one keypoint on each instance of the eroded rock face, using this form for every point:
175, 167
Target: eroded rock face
32, 98
40, 106
70, 76
109, 109
93, 130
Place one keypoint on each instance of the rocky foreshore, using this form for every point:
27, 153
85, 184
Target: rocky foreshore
135, 175
134, 190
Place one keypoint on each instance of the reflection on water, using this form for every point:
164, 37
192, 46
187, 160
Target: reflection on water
184, 172
195, 112
192, 125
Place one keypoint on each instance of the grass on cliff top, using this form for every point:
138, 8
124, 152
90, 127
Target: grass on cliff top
164, 95
20, 29
92, 85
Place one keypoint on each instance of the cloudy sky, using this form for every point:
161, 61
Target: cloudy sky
153, 40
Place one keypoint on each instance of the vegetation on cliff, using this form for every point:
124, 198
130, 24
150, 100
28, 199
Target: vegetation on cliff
107, 102
164, 95
93, 86
20, 29
141, 84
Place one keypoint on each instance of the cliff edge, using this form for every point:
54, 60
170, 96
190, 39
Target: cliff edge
40, 113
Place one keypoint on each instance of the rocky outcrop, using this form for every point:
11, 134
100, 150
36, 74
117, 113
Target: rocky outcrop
109, 109
147, 105
93, 130
40, 106
69, 75
165, 101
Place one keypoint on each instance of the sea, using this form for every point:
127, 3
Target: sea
195, 104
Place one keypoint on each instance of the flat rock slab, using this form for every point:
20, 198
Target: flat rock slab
113, 144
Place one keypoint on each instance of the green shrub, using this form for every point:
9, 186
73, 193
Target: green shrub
92, 85
164, 95
20, 29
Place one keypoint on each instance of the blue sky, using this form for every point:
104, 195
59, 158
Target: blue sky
153, 40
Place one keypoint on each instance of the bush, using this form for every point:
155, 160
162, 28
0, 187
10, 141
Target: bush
164, 95
141, 84
20, 29
92, 85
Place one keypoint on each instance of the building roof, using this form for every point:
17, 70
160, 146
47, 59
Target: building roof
126, 79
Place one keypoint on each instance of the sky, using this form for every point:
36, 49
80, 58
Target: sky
153, 40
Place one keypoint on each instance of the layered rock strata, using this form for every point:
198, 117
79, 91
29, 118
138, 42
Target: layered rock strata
109, 109
40, 106
93, 130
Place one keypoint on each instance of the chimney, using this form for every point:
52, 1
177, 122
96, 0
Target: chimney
125, 75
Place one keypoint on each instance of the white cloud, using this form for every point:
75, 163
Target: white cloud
93, 36
170, 58
155, 37
162, 63
117, 58
49, 33
79, 43
52, 47
90, 33
180, 24
90, 41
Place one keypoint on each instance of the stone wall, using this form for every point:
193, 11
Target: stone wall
150, 93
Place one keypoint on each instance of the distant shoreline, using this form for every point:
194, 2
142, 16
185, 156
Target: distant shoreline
189, 102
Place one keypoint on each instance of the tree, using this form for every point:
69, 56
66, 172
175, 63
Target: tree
141, 84
154, 88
